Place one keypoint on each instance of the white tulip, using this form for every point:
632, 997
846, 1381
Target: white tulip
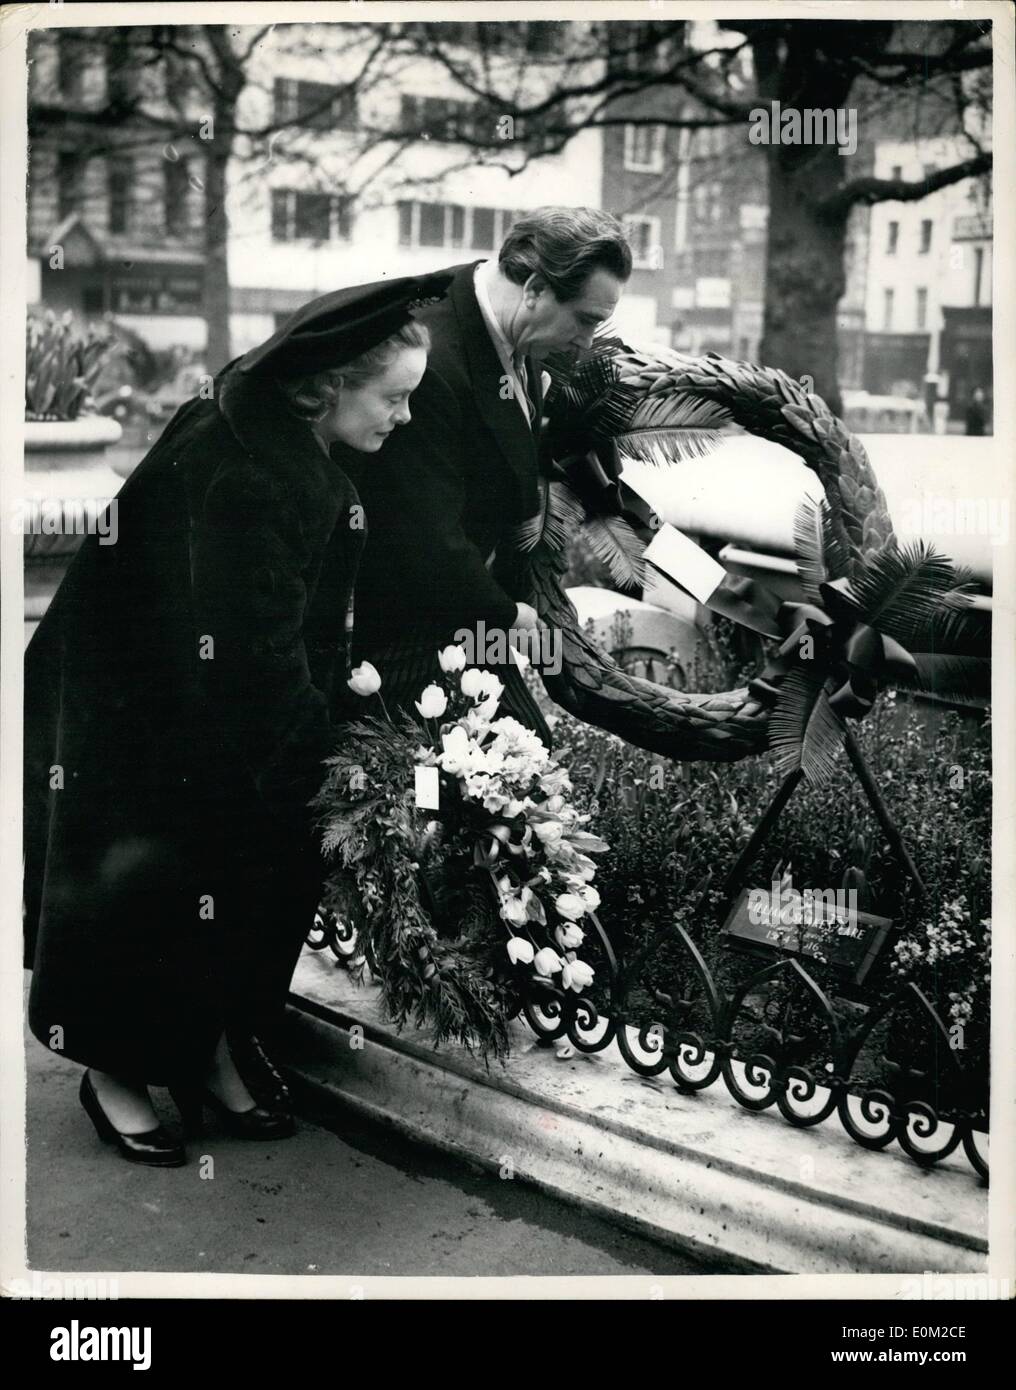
365, 679
548, 831
453, 658
576, 975
514, 911
546, 962
470, 683
590, 897
570, 905
519, 949
490, 686
458, 751
432, 703
569, 937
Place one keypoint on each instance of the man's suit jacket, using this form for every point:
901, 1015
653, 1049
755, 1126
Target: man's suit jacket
445, 492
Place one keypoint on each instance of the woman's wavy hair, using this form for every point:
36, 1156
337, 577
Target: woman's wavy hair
311, 397
565, 246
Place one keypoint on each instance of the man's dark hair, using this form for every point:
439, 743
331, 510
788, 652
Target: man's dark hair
565, 245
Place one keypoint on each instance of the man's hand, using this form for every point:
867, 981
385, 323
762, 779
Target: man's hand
527, 617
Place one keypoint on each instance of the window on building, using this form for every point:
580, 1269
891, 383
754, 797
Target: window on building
446, 118
643, 148
312, 216
887, 309
120, 183
643, 235
892, 238
707, 203
314, 105
432, 224
929, 169
405, 223
482, 235
978, 273
69, 171
453, 226
122, 60
637, 47
305, 215
925, 236
70, 71
897, 172
922, 309
176, 197
93, 300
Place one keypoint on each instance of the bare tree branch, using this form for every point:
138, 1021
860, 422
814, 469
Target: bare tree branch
871, 190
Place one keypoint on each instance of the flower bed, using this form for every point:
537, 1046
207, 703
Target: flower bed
673, 826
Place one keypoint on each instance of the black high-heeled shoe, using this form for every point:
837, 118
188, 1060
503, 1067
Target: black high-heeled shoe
260, 1074
255, 1123
155, 1147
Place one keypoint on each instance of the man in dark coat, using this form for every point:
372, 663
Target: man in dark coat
181, 693
446, 493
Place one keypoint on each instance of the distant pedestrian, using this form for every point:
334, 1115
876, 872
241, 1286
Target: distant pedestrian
977, 415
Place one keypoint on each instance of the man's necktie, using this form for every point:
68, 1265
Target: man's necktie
519, 363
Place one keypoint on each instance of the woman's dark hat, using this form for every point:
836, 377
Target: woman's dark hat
338, 327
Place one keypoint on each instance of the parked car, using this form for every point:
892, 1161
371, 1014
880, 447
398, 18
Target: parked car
167, 399
646, 638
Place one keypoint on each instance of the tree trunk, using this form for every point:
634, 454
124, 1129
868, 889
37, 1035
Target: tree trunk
805, 256
216, 295
805, 277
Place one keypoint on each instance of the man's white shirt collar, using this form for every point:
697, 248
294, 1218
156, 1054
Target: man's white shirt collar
483, 276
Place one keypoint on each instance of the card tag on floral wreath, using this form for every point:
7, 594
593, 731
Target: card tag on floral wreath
428, 788
682, 560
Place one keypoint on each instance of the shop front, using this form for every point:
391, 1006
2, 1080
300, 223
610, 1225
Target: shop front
966, 356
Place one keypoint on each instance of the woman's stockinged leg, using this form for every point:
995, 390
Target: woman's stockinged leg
224, 1081
125, 1102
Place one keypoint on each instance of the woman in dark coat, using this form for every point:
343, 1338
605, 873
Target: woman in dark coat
181, 693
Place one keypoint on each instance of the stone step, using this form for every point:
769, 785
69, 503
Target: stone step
698, 1173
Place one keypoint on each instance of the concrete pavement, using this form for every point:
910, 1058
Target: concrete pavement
353, 1199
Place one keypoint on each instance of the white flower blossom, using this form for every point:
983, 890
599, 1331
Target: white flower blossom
452, 658
520, 950
570, 906
432, 703
546, 962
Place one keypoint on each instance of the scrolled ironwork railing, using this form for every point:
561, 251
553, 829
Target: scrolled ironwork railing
930, 1105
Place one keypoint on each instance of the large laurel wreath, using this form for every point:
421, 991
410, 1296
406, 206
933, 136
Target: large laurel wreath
875, 613
878, 613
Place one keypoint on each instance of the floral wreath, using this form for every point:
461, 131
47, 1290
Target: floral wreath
469, 880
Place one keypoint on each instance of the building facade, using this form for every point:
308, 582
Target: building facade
929, 280
114, 216
305, 228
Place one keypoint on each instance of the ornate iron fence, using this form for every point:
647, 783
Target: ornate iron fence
929, 1103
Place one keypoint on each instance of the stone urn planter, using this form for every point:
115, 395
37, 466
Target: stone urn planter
68, 482
68, 486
